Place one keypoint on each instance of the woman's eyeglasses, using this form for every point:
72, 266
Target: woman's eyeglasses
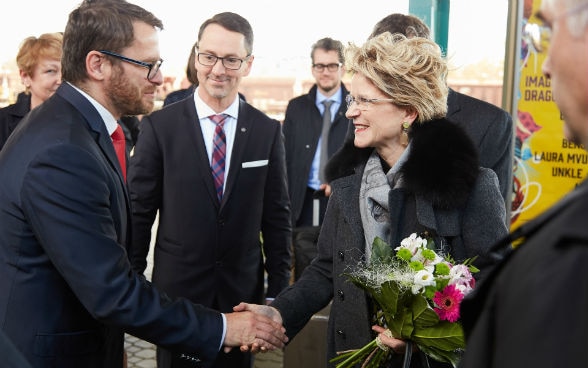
363, 103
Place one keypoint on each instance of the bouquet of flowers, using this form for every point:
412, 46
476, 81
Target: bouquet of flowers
417, 294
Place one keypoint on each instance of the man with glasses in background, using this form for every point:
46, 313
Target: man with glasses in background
67, 290
214, 167
313, 131
531, 310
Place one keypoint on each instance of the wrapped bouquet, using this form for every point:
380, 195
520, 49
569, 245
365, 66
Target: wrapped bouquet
417, 293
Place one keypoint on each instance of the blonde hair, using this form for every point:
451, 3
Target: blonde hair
411, 71
32, 49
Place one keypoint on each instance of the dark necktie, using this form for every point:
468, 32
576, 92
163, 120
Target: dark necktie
324, 157
119, 143
219, 148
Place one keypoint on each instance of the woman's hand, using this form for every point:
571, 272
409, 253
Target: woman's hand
386, 340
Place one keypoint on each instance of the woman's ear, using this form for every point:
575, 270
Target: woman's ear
410, 115
25, 78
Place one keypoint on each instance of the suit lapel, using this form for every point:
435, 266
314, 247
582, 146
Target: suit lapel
95, 124
97, 129
242, 134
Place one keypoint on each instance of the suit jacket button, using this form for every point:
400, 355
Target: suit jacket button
341, 256
341, 294
341, 333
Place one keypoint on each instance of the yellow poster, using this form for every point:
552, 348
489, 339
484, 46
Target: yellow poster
546, 166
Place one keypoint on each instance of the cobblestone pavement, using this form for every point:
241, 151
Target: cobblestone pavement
141, 354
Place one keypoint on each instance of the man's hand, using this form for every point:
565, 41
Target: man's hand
252, 331
326, 188
261, 310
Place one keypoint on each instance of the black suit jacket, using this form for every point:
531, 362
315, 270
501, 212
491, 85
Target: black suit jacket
491, 129
303, 125
67, 290
211, 252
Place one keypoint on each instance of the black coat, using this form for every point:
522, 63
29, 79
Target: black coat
531, 310
303, 124
12, 114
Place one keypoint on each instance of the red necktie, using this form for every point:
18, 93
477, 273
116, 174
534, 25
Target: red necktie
119, 143
217, 163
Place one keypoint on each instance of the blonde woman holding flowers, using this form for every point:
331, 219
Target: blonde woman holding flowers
408, 170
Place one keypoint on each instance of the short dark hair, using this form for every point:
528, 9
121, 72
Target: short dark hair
191, 67
408, 25
99, 25
328, 44
233, 22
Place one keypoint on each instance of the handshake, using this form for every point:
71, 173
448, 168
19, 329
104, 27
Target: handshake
254, 328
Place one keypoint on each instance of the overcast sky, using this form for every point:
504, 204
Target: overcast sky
284, 30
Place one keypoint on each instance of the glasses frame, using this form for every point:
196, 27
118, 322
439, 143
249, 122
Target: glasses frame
332, 67
539, 35
153, 68
222, 59
363, 103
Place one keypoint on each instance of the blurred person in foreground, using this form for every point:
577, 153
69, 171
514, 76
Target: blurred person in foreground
531, 310
403, 175
39, 64
67, 290
213, 167
489, 127
306, 132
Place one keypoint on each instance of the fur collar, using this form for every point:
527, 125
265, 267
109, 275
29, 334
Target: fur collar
442, 166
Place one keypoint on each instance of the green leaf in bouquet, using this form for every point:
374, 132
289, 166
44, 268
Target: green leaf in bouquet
381, 251
445, 335
424, 316
451, 357
388, 297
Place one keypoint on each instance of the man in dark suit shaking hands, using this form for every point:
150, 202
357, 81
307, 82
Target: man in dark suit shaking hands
67, 289
214, 168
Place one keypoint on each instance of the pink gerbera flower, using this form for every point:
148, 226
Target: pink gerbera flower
447, 303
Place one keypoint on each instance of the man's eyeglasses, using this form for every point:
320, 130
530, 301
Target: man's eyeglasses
363, 103
330, 67
152, 68
539, 35
229, 62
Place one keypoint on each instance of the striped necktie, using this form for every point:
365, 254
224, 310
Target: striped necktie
219, 147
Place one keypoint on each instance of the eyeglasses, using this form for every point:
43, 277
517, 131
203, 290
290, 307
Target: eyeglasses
330, 67
229, 62
363, 103
539, 35
153, 68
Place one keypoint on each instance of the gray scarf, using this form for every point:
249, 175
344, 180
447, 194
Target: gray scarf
373, 198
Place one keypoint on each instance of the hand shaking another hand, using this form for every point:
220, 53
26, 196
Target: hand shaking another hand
254, 328
272, 319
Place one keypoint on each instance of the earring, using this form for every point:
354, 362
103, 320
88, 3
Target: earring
404, 134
